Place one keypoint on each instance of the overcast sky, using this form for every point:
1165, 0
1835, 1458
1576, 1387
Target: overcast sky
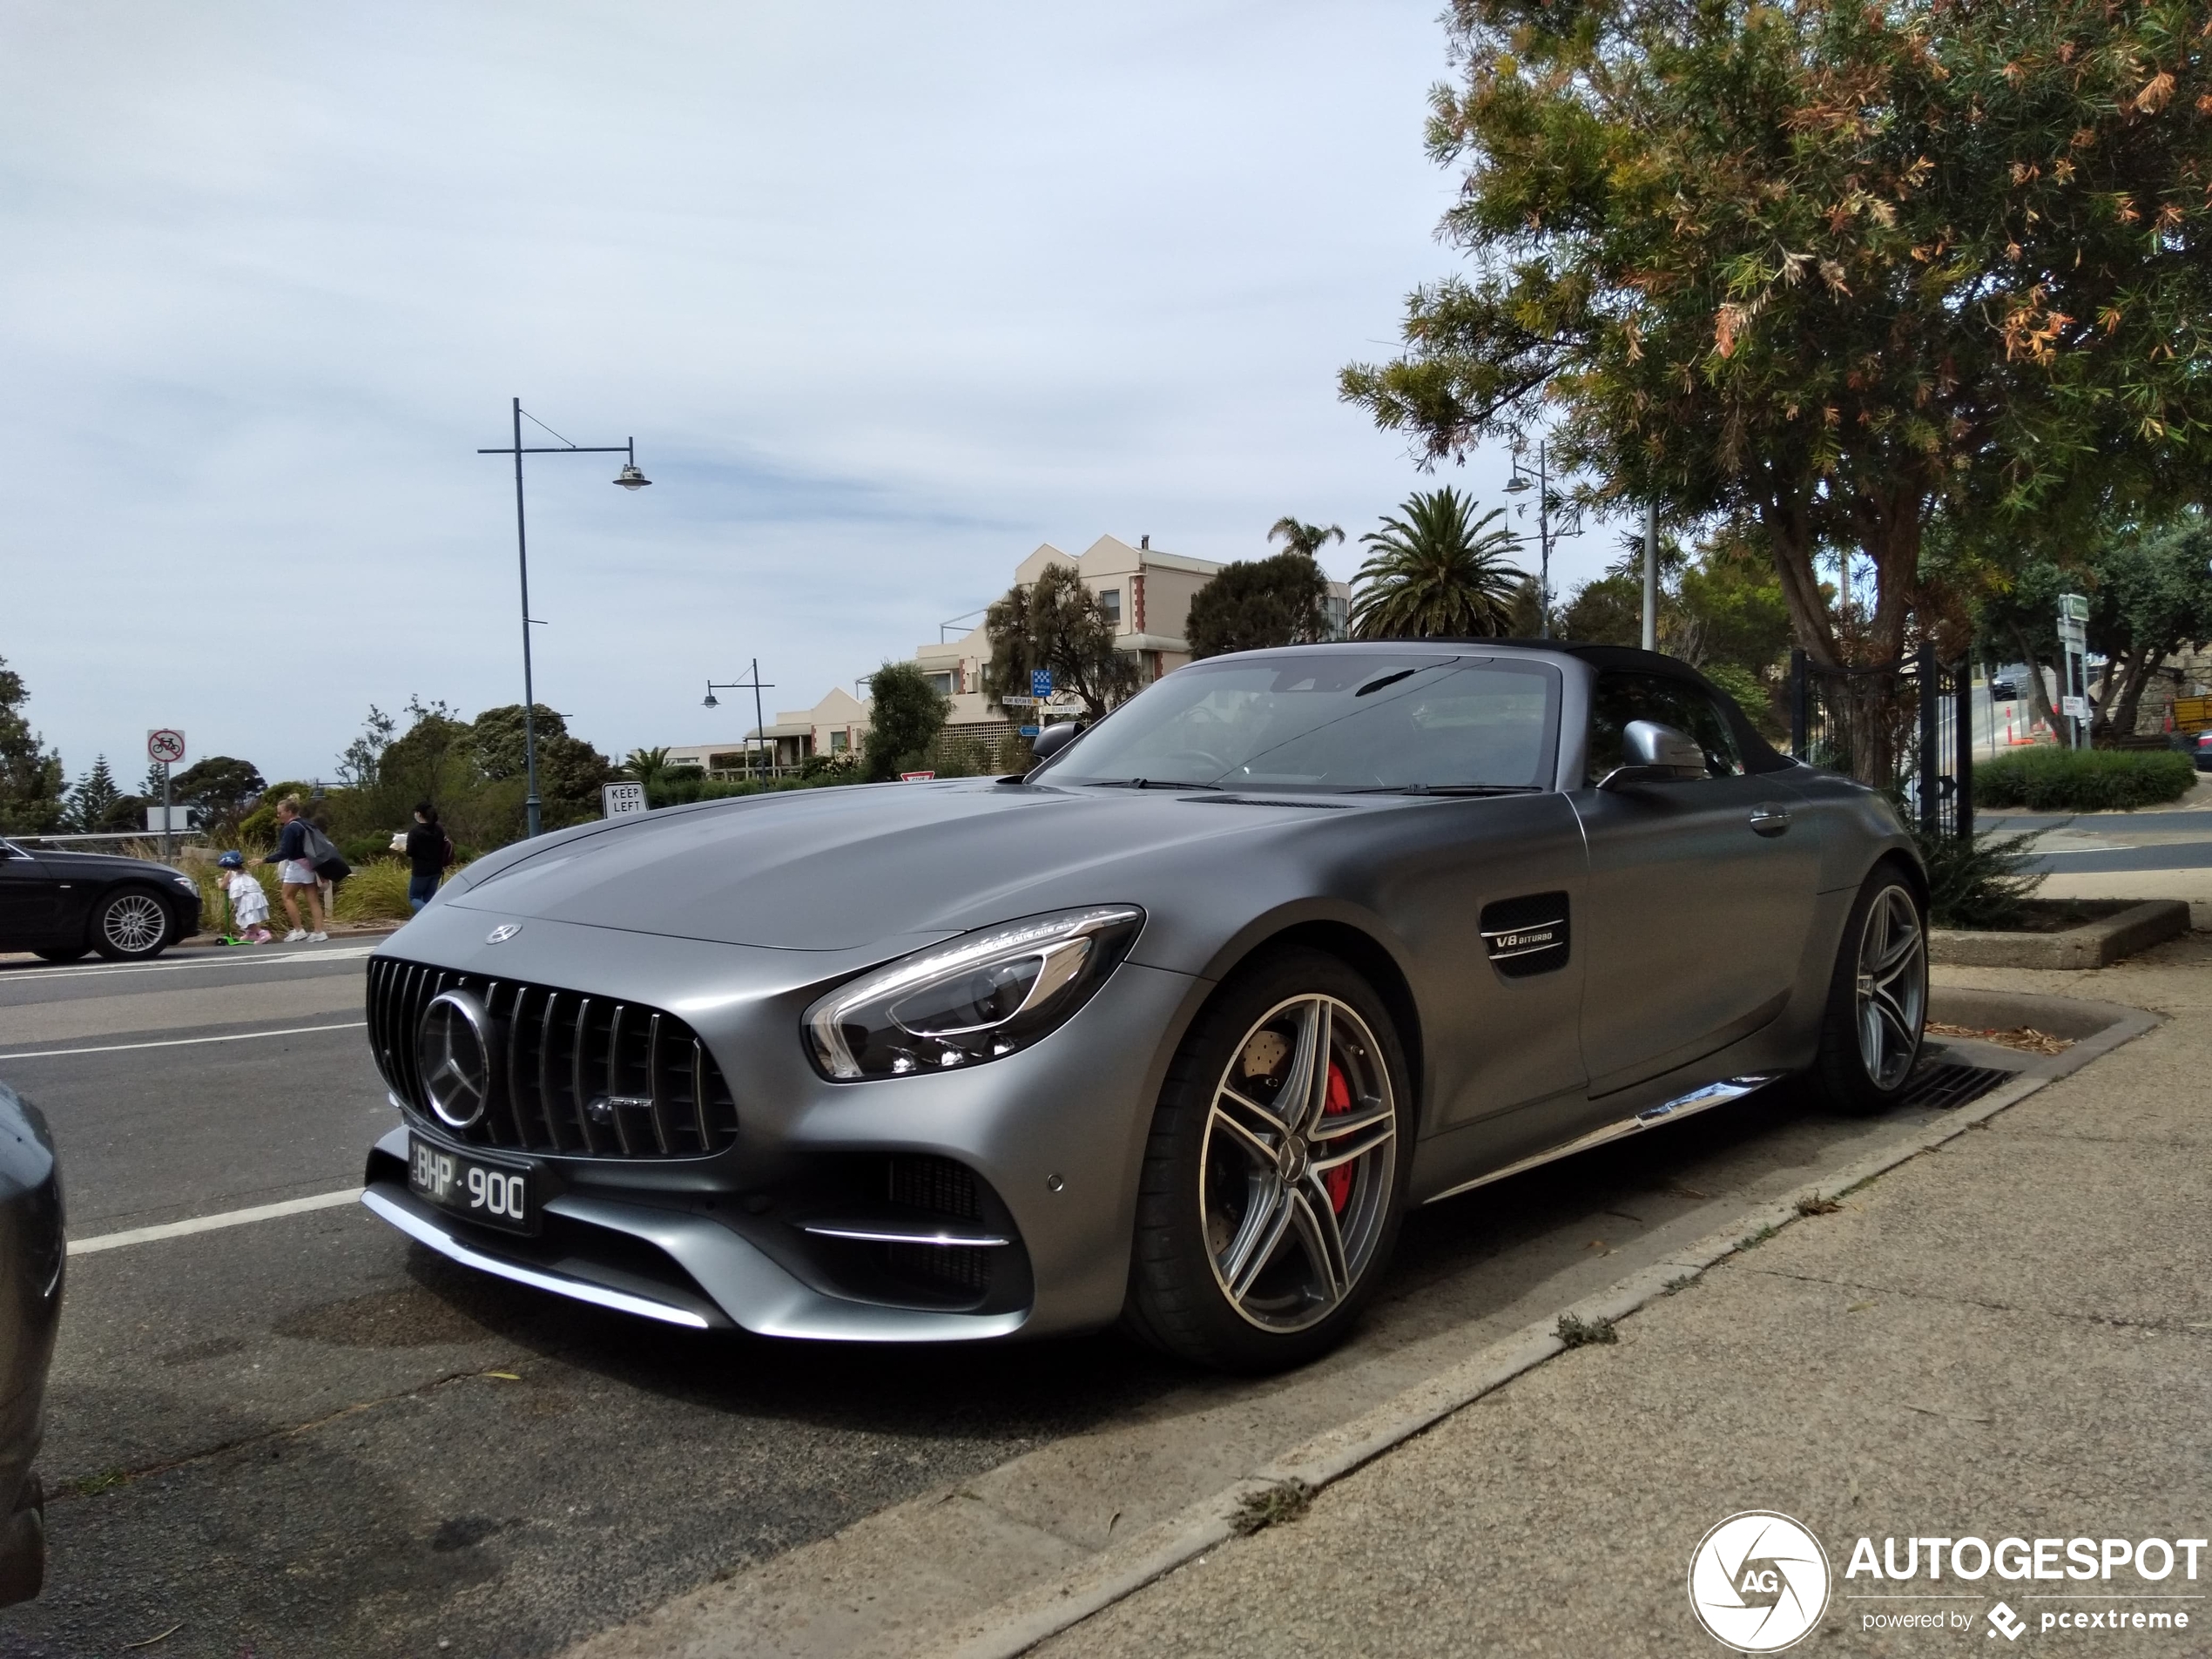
886, 294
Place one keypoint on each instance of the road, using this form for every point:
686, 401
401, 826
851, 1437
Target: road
303, 1435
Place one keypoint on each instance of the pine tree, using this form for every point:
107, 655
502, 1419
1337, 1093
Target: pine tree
93, 802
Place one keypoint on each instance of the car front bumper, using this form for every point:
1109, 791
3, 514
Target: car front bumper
776, 1235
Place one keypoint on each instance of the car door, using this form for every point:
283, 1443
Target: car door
27, 898
1701, 890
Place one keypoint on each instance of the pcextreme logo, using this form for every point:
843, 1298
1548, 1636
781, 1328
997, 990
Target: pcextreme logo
1758, 1582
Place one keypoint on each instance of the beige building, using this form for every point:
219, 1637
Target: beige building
1146, 592
838, 722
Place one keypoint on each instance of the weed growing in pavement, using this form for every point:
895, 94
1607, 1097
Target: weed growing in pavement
1578, 1332
1679, 1282
1752, 1241
1284, 1500
1817, 1205
91, 1486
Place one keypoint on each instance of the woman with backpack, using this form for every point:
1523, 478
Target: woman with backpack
297, 876
428, 852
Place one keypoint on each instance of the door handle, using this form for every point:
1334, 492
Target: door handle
1770, 820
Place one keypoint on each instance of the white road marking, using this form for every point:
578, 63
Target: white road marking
212, 1224
185, 1043
40, 977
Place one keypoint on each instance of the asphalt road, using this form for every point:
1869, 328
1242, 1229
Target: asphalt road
306, 1436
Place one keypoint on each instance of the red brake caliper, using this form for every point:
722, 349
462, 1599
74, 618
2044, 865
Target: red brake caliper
1339, 1180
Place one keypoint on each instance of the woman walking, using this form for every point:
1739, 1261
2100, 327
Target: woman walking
428, 854
296, 875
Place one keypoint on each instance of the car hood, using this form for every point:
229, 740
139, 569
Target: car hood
835, 868
98, 866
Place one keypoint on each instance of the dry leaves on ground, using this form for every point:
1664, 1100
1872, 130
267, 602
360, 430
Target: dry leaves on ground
2027, 1039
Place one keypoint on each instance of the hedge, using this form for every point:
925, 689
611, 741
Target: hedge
2083, 780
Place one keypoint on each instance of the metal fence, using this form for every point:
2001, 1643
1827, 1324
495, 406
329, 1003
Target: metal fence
1907, 726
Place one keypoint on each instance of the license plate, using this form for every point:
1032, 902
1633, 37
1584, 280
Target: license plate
495, 1195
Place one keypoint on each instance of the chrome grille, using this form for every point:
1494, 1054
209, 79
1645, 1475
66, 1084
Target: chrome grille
584, 1076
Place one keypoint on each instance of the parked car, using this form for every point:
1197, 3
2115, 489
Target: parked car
65, 904
1171, 1031
2204, 750
30, 1305
2003, 691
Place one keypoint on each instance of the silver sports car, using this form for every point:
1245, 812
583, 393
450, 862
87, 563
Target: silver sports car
1171, 1031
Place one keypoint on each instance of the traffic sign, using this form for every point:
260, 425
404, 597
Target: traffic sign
164, 745
2074, 708
917, 777
1040, 682
1021, 702
620, 800
2073, 607
1031, 731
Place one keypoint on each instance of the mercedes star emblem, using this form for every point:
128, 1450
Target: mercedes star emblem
454, 1048
500, 934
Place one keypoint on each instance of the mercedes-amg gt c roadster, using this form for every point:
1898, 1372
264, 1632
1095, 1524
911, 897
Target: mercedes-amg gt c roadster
1171, 1031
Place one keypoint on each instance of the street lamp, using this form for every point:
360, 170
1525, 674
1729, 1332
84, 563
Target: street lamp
1571, 524
630, 479
756, 685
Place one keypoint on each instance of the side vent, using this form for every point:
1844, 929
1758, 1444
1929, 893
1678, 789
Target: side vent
1527, 935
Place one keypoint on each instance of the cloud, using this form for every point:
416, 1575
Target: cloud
886, 294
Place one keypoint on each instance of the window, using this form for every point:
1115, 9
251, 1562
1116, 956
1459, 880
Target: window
1620, 697
1348, 721
941, 683
1110, 601
839, 742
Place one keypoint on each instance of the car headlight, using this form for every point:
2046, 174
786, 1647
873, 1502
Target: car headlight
972, 999
186, 882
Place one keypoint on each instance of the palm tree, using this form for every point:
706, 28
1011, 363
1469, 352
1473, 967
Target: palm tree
1308, 539
1437, 572
646, 764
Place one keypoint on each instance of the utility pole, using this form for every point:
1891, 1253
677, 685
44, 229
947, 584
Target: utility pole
1651, 575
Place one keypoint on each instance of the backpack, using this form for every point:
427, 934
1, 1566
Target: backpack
322, 854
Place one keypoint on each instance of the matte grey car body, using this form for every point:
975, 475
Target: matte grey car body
1558, 964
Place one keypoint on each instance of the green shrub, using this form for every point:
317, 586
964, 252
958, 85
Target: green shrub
376, 891
2083, 780
1977, 883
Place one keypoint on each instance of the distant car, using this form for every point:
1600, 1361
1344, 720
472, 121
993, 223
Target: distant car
2204, 750
1172, 1030
2004, 692
62, 904
30, 1305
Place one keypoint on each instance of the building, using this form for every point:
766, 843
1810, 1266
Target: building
1146, 592
838, 722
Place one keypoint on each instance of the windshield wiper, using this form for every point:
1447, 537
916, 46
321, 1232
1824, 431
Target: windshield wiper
1388, 680
1450, 789
1143, 783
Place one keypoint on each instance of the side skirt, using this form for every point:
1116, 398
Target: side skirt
1669, 1111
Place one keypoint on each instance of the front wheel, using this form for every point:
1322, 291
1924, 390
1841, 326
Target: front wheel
1878, 1001
1273, 1179
132, 925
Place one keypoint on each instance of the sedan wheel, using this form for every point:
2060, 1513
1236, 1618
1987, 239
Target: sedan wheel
131, 924
1272, 1181
1877, 1003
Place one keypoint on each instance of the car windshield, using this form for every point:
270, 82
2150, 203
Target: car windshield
1333, 720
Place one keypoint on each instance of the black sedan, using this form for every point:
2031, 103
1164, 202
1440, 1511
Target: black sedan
30, 1305
62, 904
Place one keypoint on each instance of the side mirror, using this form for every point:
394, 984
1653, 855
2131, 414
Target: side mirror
1652, 754
1054, 738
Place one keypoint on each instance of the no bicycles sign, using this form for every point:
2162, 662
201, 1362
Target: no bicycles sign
164, 745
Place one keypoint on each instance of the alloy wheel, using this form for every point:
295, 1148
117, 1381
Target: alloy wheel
1296, 1178
1892, 987
134, 923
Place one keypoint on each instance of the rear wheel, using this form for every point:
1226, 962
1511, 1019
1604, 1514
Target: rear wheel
131, 924
1877, 1001
1272, 1181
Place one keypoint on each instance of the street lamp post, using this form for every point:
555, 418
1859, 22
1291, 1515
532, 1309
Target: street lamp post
629, 478
1571, 524
756, 685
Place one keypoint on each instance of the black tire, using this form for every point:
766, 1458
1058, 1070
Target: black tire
1225, 1199
1862, 1070
133, 924
63, 952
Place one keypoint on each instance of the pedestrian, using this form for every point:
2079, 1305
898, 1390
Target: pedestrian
296, 875
428, 852
249, 901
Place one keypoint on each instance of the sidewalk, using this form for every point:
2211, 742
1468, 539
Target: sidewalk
2009, 1337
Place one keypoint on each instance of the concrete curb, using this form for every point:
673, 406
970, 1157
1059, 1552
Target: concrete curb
1021, 1623
2094, 944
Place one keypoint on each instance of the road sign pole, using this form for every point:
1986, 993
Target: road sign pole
165, 814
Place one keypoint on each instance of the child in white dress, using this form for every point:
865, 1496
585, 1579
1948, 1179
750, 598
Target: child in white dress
249, 902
